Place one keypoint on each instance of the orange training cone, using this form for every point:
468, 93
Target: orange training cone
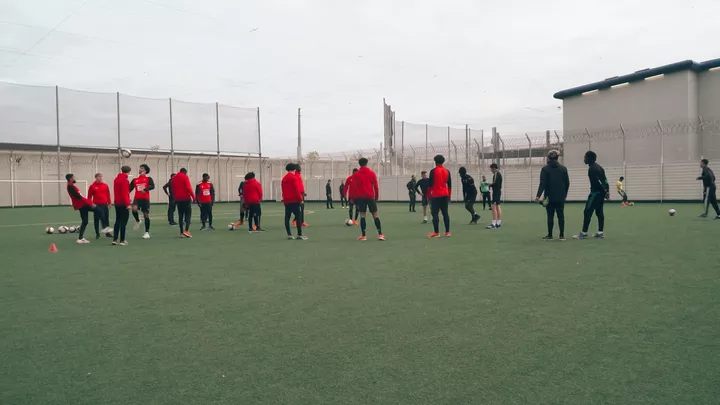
53, 248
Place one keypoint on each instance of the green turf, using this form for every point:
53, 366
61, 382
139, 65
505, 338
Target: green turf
487, 317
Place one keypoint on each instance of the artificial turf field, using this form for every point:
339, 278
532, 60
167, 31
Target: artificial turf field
486, 317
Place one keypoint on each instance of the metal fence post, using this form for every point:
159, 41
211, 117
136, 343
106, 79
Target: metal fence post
402, 145
426, 142
217, 134
623, 151
530, 159
260, 156
448, 142
119, 143
662, 160
589, 139
57, 133
172, 144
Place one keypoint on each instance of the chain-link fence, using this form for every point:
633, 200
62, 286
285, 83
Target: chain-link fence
54, 116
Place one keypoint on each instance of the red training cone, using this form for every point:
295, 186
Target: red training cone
53, 248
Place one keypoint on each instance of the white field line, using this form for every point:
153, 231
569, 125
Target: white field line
235, 216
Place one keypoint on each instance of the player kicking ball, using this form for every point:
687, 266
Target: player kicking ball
253, 194
80, 204
292, 197
143, 185
599, 192
366, 192
469, 194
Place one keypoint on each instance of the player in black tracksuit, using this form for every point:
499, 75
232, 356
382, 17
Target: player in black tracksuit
328, 196
709, 189
469, 194
242, 204
167, 188
599, 192
554, 184
412, 193
421, 187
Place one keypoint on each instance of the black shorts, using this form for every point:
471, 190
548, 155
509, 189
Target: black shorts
424, 200
496, 198
366, 204
142, 205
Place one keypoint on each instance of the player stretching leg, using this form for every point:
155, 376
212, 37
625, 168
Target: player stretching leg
496, 188
142, 185
292, 197
80, 204
599, 191
366, 192
709, 189
422, 188
439, 190
99, 194
184, 196
469, 194
253, 194
205, 192
243, 209
554, 184
621, 190
122, 204
351, 201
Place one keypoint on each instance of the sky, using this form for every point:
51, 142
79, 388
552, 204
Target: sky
455, 62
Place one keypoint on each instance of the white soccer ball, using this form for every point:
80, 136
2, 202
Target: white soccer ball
126, 153
231, 227
672, 212
71, 229
50, 230
62, 229
349, 222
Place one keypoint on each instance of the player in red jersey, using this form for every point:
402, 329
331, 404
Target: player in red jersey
205, 192
298, 174
81, 204
99, 194
292, 197
253, 194
440, 190
184, 196
366, 192
348, 193
122, 206
143, 185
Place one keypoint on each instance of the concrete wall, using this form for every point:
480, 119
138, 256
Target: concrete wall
668, 98
709, 108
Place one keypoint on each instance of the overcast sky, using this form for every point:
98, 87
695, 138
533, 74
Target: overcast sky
451, 62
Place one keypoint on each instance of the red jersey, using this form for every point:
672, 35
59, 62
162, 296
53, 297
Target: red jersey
348, 187
78, 201
181, 188
252, 192
99, 193
365, 184
121, 190
292, 189
205, 192
142, 186
302, 183
440, 184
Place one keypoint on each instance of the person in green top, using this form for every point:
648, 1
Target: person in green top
485, 190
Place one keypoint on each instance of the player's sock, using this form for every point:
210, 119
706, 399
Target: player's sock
136, 216
363, 225
147, 224
499, 222
378, 226
425, 218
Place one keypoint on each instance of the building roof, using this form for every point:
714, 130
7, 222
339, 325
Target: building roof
639, 75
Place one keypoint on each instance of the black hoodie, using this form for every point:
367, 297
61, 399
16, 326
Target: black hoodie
554, 182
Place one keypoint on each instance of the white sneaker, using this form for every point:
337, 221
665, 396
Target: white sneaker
107, 230
123, 243
136, 226
146, 235
82, 241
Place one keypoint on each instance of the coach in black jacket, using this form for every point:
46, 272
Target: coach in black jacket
554, 184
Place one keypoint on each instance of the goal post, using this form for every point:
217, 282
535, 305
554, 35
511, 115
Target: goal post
28, 193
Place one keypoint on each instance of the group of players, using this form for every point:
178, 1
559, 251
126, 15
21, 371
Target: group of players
359, 192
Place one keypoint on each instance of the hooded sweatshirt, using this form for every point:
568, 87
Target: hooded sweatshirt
554, 182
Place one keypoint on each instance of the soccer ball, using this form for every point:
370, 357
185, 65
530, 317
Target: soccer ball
672, 212
632, 204
231, 227
349, 222
62, 229
71, 229
126, 153
50, 230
